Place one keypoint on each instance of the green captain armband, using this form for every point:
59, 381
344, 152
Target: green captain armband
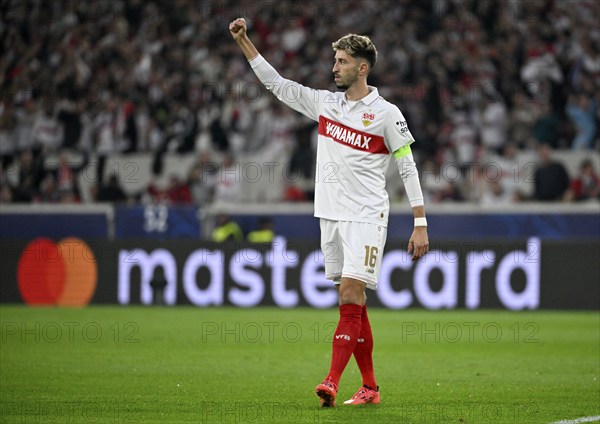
402, 151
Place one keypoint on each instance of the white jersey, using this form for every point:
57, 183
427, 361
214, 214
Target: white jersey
355, 143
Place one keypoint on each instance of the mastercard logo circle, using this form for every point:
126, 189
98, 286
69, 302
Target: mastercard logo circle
61, 274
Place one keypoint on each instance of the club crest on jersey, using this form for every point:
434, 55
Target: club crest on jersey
368, 118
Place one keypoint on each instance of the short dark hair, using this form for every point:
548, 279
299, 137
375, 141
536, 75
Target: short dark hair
357, 46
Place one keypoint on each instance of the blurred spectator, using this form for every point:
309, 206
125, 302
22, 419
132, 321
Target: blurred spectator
25, 117
432, 181
545, 127
237, 118
66, 174
226, 230
302, 160
69, 115
540, 65
587, 183
178, 192
154, 194
202, 179
112, 191
30, 175
154, 136
264, 233
508, 171
298, 174
522, 120
493, 124
463, 138
182, 130
551, 178
131, 129
496, 193
294, 193
440, 184
7, 134
582, 113
293, 37
280, 135
6, 193
218, 135
228, 185
109, 126
47, 130
6, 188
48, 190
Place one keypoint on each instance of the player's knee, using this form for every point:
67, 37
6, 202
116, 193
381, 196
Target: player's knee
351, 295
348, 299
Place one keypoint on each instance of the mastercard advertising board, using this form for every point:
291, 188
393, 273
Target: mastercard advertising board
62, 274
461, 274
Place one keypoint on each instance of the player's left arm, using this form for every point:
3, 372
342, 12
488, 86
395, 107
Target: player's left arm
418, 244
399, 139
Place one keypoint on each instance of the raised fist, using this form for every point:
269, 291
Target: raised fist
238, 28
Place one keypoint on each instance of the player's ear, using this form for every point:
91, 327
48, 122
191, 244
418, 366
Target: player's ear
363, 68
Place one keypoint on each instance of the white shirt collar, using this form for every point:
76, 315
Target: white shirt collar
368, 99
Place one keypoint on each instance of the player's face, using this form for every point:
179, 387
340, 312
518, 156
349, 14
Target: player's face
345, 70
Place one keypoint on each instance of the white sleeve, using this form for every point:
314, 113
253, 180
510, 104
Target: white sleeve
410, 176
300, 98
397, 134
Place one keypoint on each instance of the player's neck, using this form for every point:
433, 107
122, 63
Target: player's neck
357, 91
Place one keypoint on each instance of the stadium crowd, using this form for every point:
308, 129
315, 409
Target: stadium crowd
479, 82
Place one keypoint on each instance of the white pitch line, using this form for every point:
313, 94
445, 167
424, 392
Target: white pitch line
579, 420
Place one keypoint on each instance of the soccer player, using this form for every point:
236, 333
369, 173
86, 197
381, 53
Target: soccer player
359, 133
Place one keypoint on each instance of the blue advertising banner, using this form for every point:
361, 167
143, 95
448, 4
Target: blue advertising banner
297, 226
555, 226
157, 222
162, 222
559, 226
53, 225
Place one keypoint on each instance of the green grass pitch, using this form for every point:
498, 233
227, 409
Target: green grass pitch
190, 365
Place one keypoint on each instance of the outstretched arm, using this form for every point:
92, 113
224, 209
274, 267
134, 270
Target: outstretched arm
238, 30
300, 98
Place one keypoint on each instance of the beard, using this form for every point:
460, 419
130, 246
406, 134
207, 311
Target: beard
346, 83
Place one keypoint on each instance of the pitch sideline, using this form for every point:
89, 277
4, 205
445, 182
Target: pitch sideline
579, 420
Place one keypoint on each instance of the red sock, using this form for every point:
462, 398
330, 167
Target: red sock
344, 340
363, 351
